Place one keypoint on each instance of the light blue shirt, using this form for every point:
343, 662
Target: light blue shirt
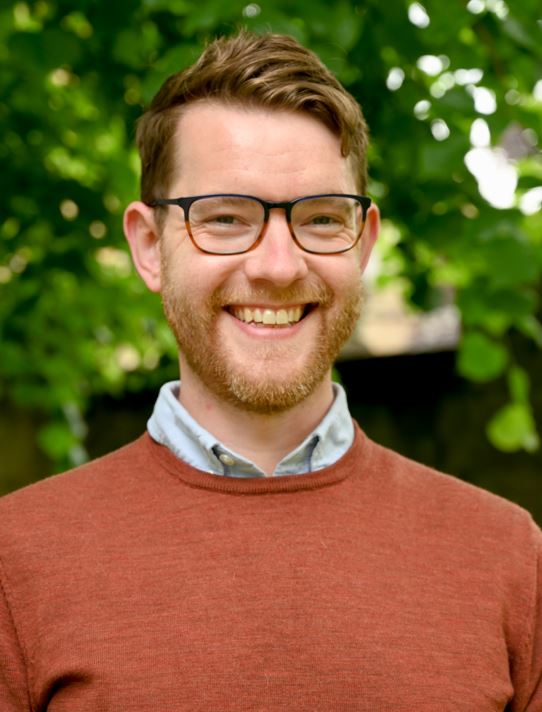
173, 426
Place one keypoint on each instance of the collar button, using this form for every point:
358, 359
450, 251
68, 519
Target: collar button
226, 460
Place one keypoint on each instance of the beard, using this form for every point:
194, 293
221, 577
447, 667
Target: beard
265, 383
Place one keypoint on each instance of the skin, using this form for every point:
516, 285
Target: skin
259, 389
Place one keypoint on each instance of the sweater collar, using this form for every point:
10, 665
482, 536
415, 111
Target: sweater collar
356, 460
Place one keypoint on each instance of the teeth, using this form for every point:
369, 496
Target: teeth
282, 316
269, 317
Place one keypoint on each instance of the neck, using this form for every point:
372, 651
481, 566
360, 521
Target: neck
263, 439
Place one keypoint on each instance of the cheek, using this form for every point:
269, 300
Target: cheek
342, 275
191, 272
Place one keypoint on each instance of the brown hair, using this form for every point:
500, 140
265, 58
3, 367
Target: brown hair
269, 70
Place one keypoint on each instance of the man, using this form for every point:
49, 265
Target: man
255, 550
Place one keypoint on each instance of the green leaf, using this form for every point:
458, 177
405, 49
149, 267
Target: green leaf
532, 328
481, 305
510, 263
480, 358
57, 440
512, 428
520, 34
438, 159
518, 383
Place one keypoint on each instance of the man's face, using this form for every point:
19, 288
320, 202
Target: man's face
211, 301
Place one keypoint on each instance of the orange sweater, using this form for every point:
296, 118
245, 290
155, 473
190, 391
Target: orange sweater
138, 583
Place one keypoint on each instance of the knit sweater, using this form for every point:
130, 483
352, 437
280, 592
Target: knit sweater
138, 583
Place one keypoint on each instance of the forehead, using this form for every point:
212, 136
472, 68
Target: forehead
221, 147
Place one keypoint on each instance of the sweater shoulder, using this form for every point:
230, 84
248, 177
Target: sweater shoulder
439, 499
104, 476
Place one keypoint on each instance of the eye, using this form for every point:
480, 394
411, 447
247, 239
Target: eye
226, 214
327, 222
324, 220
223, 219
217, 219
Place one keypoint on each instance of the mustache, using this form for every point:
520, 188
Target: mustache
311, 292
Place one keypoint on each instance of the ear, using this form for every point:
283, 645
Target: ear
142, 234
370, 234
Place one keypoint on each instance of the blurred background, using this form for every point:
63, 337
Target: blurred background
446, 363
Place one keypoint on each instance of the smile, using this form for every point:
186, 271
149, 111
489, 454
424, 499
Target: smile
267, 315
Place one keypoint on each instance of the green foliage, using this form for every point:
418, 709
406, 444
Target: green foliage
74, 318
480, 358
513, 427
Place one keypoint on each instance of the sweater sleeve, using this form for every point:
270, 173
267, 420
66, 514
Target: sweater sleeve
534, 692
14, 695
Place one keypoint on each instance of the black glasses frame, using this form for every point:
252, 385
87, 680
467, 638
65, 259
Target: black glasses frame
286, 205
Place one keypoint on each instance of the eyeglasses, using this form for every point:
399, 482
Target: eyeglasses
230, 224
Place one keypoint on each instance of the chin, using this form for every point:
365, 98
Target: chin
271, 397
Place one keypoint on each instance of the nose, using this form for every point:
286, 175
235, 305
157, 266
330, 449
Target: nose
277, 259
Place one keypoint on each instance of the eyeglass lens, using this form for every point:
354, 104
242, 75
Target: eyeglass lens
229, 224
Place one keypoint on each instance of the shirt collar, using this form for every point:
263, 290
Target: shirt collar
173, 426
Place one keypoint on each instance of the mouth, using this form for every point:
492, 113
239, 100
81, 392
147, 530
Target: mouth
271, 316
